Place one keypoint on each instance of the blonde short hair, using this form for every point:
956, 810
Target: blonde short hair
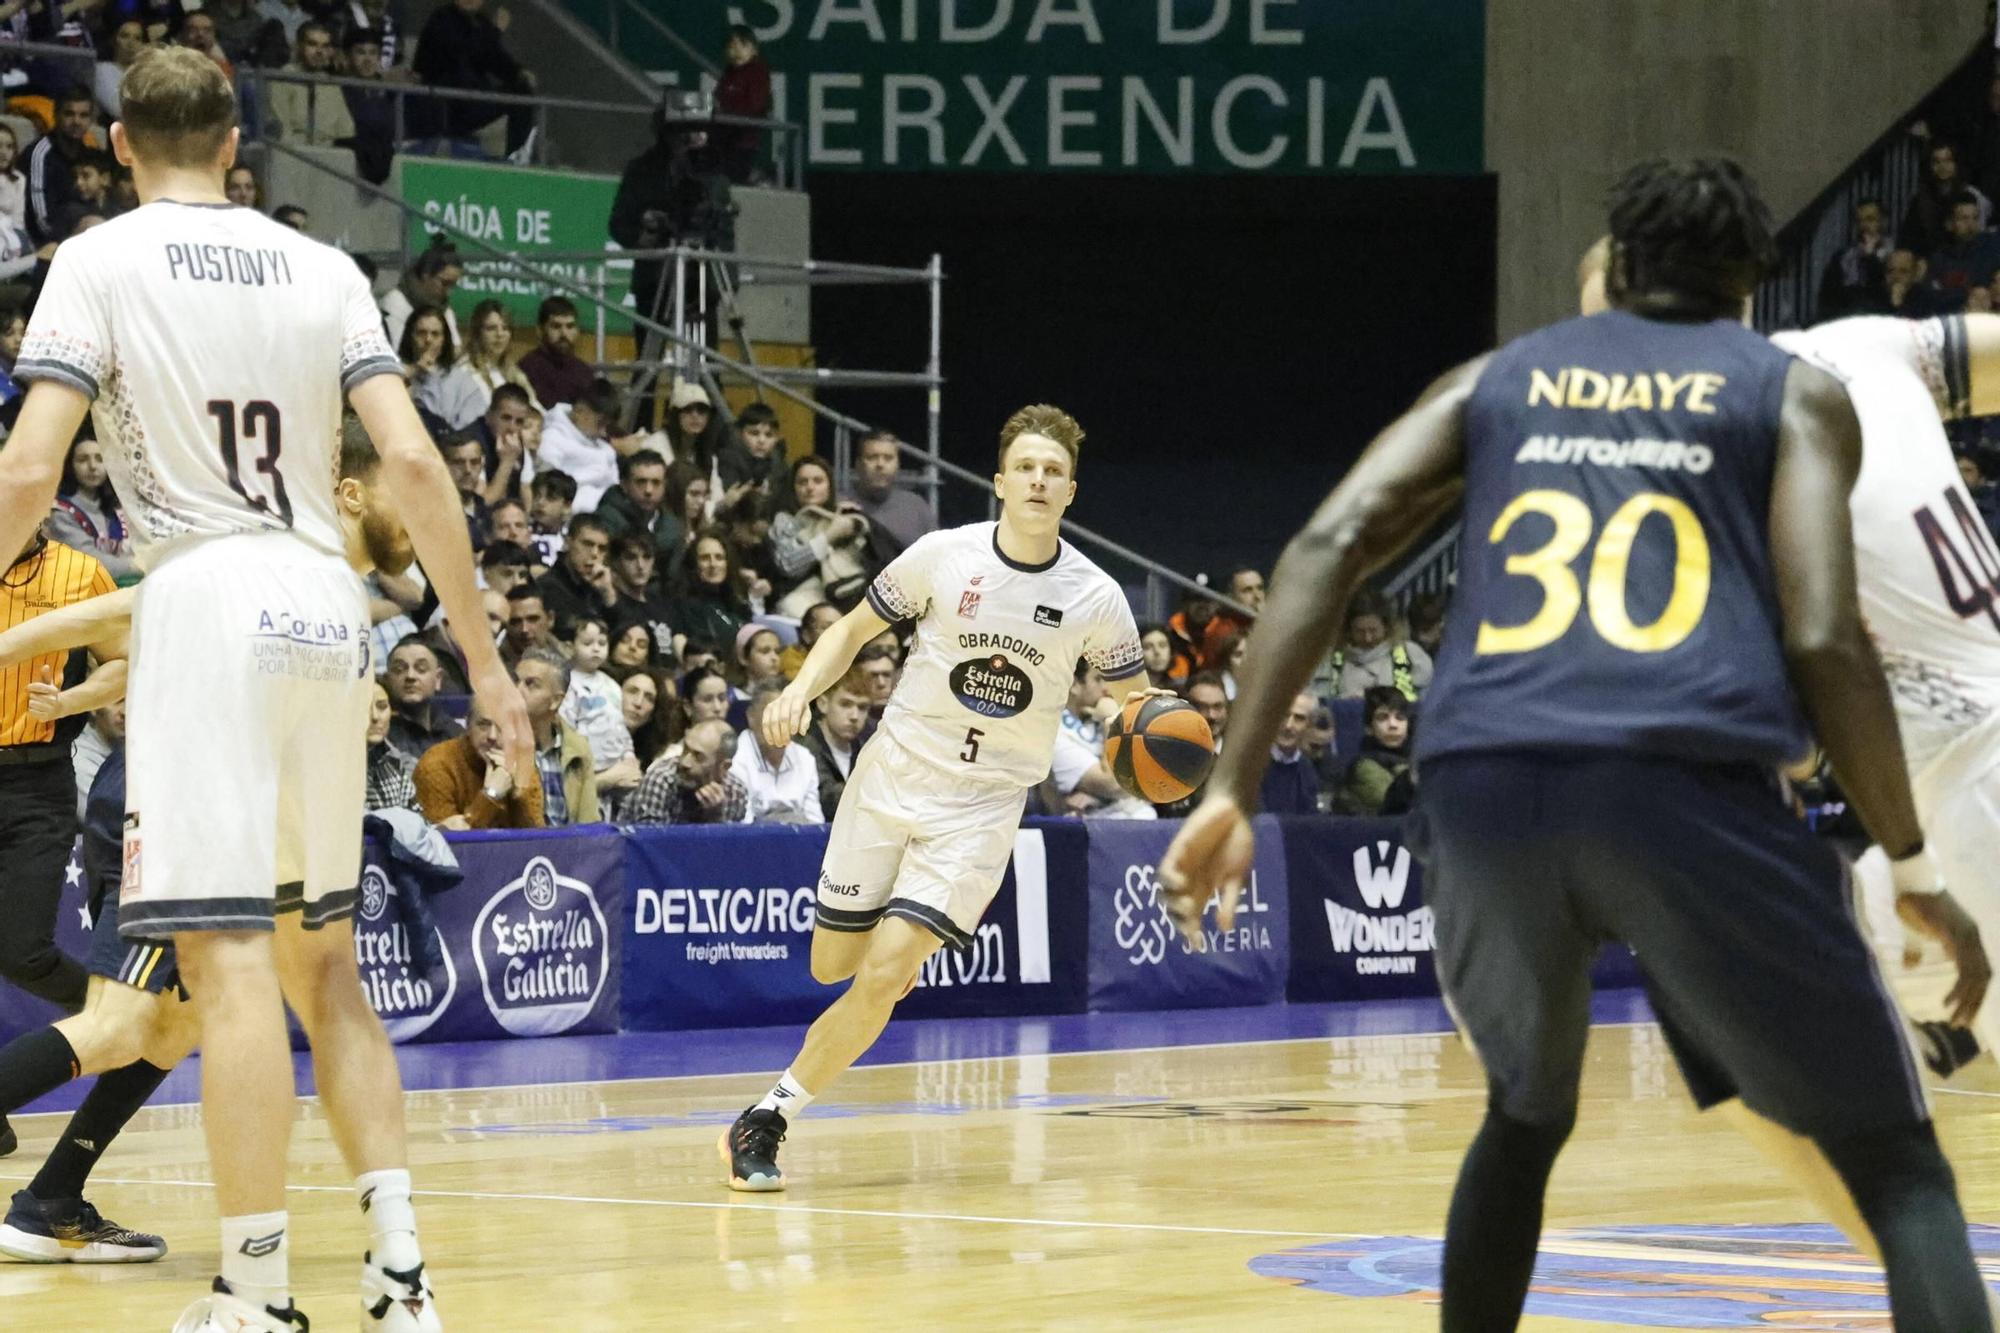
177, 107
1049, 422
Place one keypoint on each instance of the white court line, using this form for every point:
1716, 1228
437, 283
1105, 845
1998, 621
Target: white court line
1966, 1092
743, 1204
887, 1064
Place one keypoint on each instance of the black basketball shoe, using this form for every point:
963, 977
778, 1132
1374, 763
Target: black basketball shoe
1947, 1049
71, 1231
750, 1149
8, 1140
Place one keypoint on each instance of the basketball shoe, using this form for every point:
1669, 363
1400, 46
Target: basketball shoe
222, 1311
397, 1301
71, 1231
750, 1150
8, 1139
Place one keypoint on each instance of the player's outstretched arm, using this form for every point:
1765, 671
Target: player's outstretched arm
1834, 667
31, 464
791, 712
413, 471
101, 624
1408, 476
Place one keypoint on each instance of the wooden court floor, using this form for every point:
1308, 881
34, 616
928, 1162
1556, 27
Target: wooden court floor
1089, 1191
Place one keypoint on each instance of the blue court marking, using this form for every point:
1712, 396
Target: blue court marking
625, 1056
1801, 1276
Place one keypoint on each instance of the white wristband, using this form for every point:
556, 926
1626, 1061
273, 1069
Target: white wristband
1917, 873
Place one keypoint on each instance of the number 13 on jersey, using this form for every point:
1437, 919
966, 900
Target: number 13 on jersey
1563, 595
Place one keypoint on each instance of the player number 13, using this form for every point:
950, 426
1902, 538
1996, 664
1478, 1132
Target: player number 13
1563, 596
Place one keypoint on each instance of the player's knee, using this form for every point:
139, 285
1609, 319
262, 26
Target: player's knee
831, 966
884, 979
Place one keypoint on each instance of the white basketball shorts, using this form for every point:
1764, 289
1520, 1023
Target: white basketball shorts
245, 738
913, 840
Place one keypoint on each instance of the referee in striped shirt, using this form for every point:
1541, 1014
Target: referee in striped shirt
38, 823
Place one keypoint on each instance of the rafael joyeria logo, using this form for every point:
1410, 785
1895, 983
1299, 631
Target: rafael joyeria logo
543, 951
407, 1001
1143, 929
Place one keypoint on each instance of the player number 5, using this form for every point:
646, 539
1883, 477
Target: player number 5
1563, 596
971, 752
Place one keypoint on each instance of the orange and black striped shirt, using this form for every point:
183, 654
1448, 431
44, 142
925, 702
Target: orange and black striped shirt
60, 576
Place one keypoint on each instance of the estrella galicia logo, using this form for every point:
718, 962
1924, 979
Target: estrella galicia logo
1048, 615
408, 1001
543, 950
992, 686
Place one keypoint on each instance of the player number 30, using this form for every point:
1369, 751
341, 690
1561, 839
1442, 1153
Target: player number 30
1563, 596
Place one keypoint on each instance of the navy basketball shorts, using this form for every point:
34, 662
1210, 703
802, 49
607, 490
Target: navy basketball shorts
1742, 921
148, 964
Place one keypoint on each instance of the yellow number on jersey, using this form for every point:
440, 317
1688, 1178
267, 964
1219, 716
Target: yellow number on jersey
1562, 596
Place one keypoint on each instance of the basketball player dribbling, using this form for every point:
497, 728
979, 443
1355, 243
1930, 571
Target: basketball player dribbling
212, 347
920, 843
1656, 555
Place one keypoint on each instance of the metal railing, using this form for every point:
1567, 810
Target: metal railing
647, 19
715, 367
430, 124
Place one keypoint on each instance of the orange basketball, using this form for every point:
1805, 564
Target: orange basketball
1159, 748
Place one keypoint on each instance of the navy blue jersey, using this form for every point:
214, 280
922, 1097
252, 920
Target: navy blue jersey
104, 831
1614, 584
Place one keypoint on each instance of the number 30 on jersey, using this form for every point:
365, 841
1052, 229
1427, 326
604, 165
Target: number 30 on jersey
1563, 595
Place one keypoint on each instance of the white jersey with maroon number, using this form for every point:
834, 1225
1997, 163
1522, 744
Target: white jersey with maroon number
996, 650
216, 345
1927, 568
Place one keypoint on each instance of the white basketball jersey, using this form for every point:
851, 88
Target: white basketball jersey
997, 643
1928, 570
216, 345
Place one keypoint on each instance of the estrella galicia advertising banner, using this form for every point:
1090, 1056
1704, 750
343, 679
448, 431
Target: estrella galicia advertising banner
1138, 959
533, 940
722, 919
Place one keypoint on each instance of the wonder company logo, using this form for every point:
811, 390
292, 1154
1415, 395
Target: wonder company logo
407, 1002
543, 950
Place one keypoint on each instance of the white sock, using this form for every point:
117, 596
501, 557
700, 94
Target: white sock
256, 1249
392, 1218
787, 1099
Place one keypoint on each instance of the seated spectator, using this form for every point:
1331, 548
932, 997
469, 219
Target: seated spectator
705, 591
464, 783
1211, 700
696, 434
528, 625
294, 217
392, 50
495, 605
503, 435
744, 90
1924, 226
840, 728
632, 647
704, 693
581, 584
412, 679
460, 47
1855, 281
201, 31
91, 172
1908, 294
373, 110
1969, 258
1378, 781
647, 701
87, 515
489, 352
1157, 648
568, 770
240, 186
1089, 708
52, 168
551, 495
314, 117
511, 527
391, 773
882, 669
577, 437
639, 603
438, 383
820, 555
692, 782
896, 517
1188, 627
687, 496
1291, 783
816, 621
128, 39
595, 707
467, 466
427, 283
782, 783
1372, 657
505, 566
746, 525
1246, 587
759, 651
1426, 617
752, 456
1973, 465
1230, 653
553, 368
13, 184
637, 504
